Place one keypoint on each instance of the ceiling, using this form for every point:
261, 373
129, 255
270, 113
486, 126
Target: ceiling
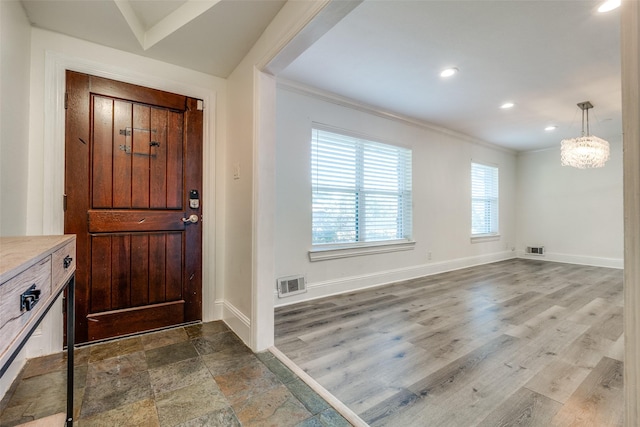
210, 36
545, 56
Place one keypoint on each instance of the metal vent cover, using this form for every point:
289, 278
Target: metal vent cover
535, 250
291, 285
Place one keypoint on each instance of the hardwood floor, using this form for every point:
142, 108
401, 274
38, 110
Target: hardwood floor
518, 342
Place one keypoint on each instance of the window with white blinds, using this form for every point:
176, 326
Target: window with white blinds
361, 190
484, 199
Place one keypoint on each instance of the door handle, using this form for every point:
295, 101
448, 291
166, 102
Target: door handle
191, 220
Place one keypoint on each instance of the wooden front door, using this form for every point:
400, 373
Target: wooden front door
133, 160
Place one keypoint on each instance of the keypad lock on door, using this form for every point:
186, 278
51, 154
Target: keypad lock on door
194, 199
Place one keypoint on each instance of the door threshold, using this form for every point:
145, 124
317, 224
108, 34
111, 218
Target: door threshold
135, 334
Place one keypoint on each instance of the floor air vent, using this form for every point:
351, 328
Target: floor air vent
535, 250
291, 285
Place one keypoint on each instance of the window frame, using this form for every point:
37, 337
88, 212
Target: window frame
494, 233
337, 249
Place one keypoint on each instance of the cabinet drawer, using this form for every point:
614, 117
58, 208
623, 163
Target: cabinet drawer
12, 319
63, 264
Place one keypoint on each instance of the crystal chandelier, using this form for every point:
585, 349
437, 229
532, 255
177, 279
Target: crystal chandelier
588, 151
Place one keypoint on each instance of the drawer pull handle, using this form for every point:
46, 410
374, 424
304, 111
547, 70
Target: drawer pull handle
67, 261
29, 298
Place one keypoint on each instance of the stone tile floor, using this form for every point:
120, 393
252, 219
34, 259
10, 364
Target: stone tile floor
197, 375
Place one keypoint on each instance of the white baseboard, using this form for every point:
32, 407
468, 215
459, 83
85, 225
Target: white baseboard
237, 321
575, 259
364, 281
217, 311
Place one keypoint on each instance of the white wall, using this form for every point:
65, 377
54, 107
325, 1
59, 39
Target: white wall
441, 198
15, 48
575, 213
15, 45
249, 212
238, 203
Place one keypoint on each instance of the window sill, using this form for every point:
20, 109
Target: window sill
485, 238
336, 252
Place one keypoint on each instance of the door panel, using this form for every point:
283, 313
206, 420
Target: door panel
140, 264
127, 321
114, 220
174, 159
157, 277
102, 150
135, 149
119, 283
140, 288
121, 162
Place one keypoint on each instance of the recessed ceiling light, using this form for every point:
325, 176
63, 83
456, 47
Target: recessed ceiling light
550, 128
449, 72
507, 105
609, 5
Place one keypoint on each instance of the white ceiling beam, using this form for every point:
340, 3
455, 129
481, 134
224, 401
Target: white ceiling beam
132, 20
330, 14
177, 19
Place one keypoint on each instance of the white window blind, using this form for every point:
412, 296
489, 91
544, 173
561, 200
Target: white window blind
484, 199
361, 190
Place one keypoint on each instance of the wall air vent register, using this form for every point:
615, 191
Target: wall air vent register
291, 285
535, 250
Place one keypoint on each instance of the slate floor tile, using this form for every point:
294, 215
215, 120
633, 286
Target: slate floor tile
283, 373
163, 338
309, 398
204, 329
116, 392
170, 354
116, 367
178, 375
41, 396
220, 418
141, 413
110, 349
251, 380
54, 362
311, 422
208, 344
274, 407
331, 418
189, 402
227, 360
197, 375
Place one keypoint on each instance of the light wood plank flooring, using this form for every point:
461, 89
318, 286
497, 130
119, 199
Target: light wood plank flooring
518, 342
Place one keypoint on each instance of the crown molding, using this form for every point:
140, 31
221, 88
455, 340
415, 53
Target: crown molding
299, 88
